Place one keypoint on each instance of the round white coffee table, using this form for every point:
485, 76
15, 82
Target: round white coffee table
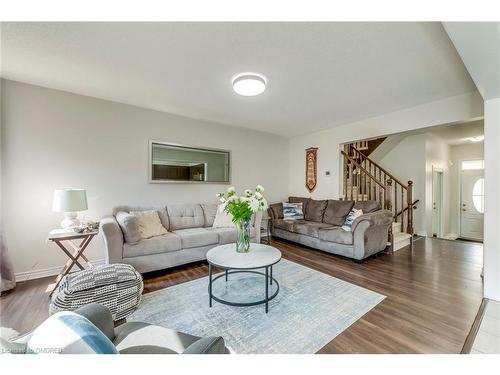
259, 256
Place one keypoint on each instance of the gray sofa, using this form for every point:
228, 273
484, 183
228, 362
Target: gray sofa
190, 236
322, 230
134, 337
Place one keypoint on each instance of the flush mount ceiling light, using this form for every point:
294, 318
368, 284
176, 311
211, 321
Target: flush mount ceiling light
249, 84
479, 138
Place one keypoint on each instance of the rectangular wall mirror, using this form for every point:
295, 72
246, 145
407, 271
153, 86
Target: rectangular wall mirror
178, 163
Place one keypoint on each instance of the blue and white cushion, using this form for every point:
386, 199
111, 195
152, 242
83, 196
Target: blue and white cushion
353, 215
69, 333
292, 211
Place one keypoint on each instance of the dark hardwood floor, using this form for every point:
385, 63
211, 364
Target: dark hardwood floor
433, 295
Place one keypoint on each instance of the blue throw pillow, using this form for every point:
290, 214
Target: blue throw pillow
292, 211
350, 219
69, 333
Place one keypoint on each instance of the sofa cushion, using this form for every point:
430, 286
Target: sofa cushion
335, 234
197, 237
302, 200
276, 210
162, 212
367, 206
315, 210
209, 211
283, 224
228, 235
138, 334
129, 226
183, 216
309, 228
154, 245
336, 211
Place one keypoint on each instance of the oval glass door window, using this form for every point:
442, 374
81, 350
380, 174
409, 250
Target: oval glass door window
478, 195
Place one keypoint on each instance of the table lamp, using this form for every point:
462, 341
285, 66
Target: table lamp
69, 201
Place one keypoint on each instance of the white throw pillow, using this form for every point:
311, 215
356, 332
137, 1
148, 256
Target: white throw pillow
349, 220
149, 223
222, 218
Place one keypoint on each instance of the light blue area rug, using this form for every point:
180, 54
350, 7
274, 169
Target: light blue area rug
309, 311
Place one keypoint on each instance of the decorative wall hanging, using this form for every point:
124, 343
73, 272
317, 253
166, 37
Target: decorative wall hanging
311, 168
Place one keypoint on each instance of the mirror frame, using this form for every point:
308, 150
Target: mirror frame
150, 166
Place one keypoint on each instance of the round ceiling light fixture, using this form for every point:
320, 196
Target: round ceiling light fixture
249, 84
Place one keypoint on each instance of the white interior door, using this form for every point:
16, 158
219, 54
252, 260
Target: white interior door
437, 202
472, 204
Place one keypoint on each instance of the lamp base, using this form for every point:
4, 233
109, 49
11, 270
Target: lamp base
70, 220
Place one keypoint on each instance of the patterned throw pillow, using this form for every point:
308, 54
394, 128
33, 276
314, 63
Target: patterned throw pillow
149, 223
350, 219
292, 211
69, 333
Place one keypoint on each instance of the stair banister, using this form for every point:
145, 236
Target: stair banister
394, 179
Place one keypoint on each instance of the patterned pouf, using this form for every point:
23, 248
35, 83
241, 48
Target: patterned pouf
116, 286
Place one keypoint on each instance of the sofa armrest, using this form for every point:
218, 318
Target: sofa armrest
370, 233
207, 345
113, 239
380, 217
100, 316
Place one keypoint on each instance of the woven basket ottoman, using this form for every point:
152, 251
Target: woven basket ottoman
116, 286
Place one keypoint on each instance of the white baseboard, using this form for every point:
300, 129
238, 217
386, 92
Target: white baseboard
51, 271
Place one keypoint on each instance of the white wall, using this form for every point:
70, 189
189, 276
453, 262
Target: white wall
470, 151
491, 201
57, 139
455, 109
406, 161
437, 155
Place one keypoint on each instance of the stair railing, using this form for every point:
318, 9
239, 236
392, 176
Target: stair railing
380, 192
399, 194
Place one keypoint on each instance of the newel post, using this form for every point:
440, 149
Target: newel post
409, 197
388, 195
409, 203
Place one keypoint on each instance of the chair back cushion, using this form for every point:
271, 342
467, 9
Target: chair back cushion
129, 226
209, 212
69, 333
336, 211
315, 210
183, 216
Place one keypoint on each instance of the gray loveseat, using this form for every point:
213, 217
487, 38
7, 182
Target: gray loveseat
134, 337
322, 230
190, 236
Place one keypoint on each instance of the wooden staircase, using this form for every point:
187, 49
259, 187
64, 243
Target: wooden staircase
364, 179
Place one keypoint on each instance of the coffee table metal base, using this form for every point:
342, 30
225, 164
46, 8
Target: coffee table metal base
269, 280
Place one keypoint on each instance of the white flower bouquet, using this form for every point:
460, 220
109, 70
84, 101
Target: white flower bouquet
241, 209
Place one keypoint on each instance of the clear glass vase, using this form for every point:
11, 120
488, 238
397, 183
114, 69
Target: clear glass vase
243, 236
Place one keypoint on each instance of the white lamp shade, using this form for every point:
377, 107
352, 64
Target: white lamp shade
69, 200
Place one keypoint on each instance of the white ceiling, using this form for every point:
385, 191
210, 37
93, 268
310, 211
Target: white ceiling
482, 59
459, 134
320, 74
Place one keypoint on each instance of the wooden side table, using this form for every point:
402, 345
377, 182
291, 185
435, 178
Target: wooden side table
73, 244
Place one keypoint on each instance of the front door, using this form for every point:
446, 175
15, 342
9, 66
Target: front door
472, 204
